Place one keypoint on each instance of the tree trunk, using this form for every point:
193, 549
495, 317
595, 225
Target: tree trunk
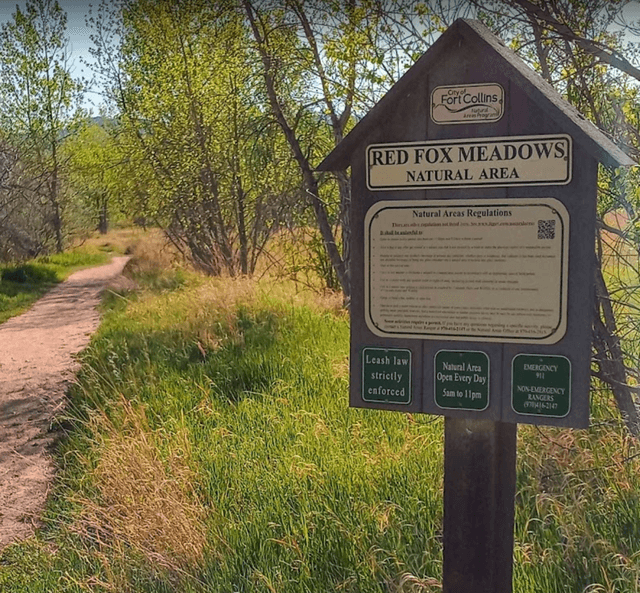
609, 356
242, 229
103, 223
56, 219
310, 182
344, 186
56, 223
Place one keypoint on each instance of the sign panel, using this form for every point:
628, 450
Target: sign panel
541, 385
492, 270
461, 380
472, 162
386, 375
467, 103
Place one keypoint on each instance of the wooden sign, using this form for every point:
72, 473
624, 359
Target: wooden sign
472, 273
467, 103
475, 238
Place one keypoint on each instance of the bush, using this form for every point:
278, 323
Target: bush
29, 273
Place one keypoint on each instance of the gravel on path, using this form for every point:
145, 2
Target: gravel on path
37, 365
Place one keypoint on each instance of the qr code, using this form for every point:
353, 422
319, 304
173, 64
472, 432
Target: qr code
546, 229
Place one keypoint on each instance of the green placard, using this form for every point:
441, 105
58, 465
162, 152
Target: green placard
386, 375
541, 385
461, 380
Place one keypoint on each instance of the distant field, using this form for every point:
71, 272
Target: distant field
209, 447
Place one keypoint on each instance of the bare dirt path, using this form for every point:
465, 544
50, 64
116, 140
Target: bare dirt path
36, 367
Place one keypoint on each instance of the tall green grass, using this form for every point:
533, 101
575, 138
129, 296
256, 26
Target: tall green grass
23, 284
210, 448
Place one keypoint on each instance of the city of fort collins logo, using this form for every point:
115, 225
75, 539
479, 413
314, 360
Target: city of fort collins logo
467, 103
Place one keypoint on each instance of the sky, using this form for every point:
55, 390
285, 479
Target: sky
76, 11
79, 35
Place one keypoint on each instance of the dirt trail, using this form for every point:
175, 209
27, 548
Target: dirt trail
36, 367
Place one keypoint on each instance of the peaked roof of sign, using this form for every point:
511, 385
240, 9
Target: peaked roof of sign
540, 91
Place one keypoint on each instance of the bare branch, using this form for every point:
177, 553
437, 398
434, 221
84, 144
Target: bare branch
606, 54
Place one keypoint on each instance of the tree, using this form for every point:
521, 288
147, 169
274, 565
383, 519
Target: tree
545, 15
23, 228
38, 97
211, 172
320, 66
95, 171
347, 53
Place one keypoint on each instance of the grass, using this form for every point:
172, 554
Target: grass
209, 447
23, 284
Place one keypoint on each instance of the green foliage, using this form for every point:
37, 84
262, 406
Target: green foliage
95, 171
324, 65
203, 160
38, 90
38, 101
70, 261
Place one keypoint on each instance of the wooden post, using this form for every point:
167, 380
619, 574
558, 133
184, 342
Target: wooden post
479, 491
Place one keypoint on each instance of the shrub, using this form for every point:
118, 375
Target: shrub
31, 273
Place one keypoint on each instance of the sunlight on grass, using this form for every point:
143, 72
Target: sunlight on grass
211, 447
144, 502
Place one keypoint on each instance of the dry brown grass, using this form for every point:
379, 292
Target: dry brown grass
153, 252
297, 255
149, 249
153, 255
340, 367
409, 583
118, 240
146, 500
